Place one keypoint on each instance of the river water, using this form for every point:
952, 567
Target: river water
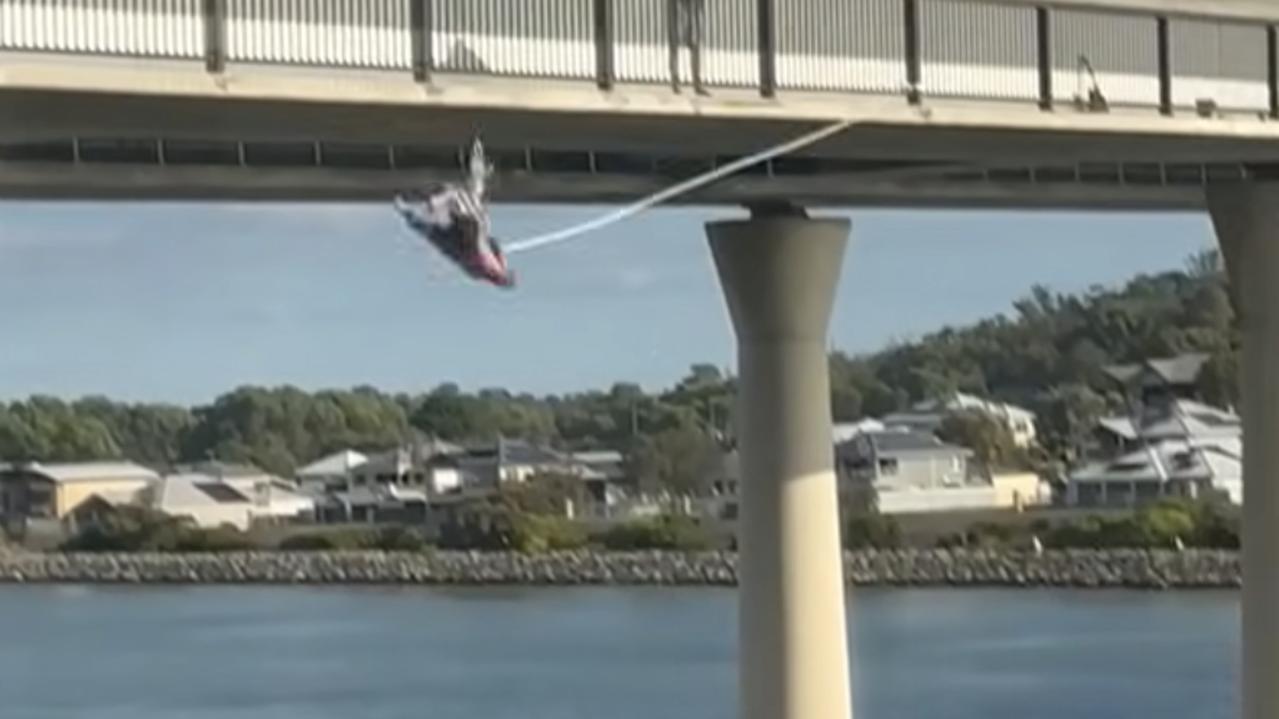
632, 653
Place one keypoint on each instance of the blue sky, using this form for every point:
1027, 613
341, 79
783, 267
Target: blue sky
180, 302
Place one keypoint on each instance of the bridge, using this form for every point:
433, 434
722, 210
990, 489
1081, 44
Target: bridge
1125, 104
957, 102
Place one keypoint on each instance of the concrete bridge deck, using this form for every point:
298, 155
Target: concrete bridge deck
963, 102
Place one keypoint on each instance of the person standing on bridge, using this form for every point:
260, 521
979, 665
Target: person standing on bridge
687, 18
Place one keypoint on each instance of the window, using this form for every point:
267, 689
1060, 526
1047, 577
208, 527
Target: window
888, 466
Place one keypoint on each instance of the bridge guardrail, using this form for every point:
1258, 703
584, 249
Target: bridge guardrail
979, 49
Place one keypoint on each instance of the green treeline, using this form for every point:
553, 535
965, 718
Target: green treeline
1046, 355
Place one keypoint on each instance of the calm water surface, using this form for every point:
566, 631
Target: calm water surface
306, 653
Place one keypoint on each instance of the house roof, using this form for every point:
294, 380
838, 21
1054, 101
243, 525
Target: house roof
521, 452
1185, 418
845, 431
1182, 369
334, 464
185, 490
89, 471
1180, 460
902, 442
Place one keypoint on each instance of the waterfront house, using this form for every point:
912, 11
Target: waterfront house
275, 499
910, 471
611, 493
38, 491
1185, 449
329, 473
207, 501
1169, 444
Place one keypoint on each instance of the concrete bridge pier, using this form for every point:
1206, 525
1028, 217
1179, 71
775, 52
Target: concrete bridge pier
779, 271
1246, 217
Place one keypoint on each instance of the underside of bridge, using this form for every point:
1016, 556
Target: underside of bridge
270, 134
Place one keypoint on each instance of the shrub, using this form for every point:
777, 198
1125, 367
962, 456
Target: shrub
533, 533
668, 532
872, 531
313, 542
390, 539
399, 539
1205, 523
130, 529
137, 529
221, 539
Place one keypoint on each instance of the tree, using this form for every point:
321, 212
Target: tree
989, 439
543, 494
677, 461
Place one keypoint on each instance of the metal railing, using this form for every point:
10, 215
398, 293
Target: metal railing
1015, 50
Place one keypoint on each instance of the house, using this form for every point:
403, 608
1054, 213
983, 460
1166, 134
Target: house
207, 501
511, 460
391, 486
929, 415
1183, 449
1171, 468
611, 492
910, 471
274, 498
387, 486
1168, 445
1154, 379
902, 459
721, 499
329, 473
52, 491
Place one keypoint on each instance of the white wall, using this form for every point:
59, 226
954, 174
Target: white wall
213, 515
936, 500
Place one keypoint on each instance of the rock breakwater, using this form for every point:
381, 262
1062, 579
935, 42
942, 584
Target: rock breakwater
1136, 569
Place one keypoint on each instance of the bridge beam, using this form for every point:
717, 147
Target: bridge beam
1246, 217
779, 271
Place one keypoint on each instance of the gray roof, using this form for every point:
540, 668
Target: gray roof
1181, 370
892, 442
519, 452
905, 442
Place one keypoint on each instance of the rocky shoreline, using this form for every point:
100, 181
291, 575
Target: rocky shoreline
1132, 569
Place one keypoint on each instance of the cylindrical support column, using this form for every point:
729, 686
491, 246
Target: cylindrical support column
779, 275
1246, 217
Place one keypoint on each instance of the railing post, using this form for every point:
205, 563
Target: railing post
215, 35
1272, 69
605, 45
1043, 31
913, 62
422, 23
767, 48
1165, 67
